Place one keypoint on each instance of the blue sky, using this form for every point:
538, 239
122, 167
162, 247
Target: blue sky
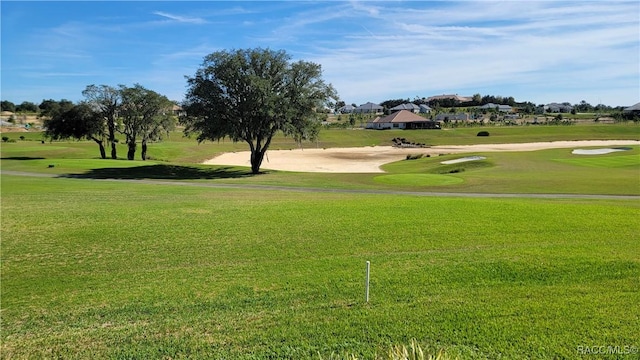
542, 51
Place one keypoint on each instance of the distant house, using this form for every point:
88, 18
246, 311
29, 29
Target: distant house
408, 106
558, 108
177, 110
500, 108
633, 109
347, 109
455, 97
369, 108
403, 119
452, 116
425, 109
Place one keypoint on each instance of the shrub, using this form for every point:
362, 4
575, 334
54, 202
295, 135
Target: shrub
5, 138
22, 137
414, 157
483, 133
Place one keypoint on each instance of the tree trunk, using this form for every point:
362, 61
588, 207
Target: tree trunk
144, 150
132, 150
112, 138
103, 152
256, 160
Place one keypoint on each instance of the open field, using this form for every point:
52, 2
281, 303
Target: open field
113, 269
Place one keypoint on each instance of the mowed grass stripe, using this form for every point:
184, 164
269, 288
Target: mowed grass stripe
605, 161
97, 269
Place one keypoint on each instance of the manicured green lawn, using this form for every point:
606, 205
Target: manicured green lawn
179, 149
94, 269
97, 268
548, 171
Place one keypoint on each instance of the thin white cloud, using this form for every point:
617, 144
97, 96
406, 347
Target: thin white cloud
539, 51
180, 18
527, 46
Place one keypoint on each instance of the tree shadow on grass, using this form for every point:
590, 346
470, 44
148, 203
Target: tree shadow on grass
21, 158
165, 172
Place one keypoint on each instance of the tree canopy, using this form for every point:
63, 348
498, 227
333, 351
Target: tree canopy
106, 101
77, 122
145, 114
251, 94
136, 112
6, 105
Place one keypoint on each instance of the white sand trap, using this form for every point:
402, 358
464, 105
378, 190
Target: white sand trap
464, 159
369, 159
595, 151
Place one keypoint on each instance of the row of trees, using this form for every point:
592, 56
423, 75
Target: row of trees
247, 95
24, 107
137, 113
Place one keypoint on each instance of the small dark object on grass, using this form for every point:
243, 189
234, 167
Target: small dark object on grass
483, 133
414, 157
51, 165
42, 141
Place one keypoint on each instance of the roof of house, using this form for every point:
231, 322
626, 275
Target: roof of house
635, 107
347, 107
402, 116
559, 106
453, 97
370, 106
406, 106
425, 107
495, 106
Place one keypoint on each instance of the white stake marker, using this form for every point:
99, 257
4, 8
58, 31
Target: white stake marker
366, 282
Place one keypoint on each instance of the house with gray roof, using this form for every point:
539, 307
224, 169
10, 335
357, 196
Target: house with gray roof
452, 116
407, 106
500, 108
558, 108
634, 109
425, 109
347, 109
369, 108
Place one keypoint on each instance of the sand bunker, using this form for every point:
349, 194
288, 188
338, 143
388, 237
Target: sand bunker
464, 159
597, 151
369, 159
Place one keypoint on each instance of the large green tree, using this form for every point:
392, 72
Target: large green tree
145, 115
251, 94
106, 101
27, 106
6, 105
77, 122
49, 108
